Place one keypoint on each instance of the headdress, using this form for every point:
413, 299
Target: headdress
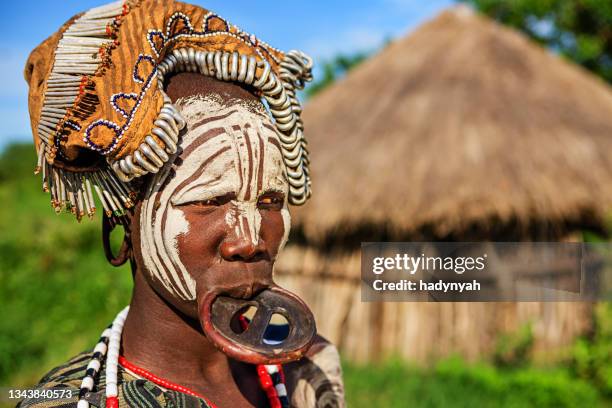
99, 114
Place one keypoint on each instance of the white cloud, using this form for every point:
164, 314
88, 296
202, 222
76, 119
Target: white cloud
351, 40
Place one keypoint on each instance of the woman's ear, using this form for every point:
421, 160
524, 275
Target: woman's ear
125, 251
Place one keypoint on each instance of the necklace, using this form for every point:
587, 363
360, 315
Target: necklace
271, 377
108, 346
160, 381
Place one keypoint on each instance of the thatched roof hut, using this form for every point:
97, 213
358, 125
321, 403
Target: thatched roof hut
462, 130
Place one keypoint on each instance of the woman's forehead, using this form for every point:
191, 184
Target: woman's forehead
231, 146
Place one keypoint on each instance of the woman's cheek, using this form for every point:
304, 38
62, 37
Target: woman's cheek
274, 230
175, 225
198, 247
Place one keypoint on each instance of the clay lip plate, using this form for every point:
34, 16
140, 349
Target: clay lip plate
218, 311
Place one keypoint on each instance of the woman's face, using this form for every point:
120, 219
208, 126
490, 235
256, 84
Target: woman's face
216, 219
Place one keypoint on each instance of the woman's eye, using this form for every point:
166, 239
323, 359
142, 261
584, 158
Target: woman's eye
214, 202
271, 202
203, 203
207, 203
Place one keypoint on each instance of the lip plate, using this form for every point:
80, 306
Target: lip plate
248, 346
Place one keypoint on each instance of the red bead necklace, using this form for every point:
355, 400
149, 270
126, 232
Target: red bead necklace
160, 381
264, 379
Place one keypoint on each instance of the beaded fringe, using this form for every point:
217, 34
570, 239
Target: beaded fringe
73, 192
80, 53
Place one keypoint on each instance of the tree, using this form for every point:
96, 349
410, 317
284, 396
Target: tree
581, 30
336, 68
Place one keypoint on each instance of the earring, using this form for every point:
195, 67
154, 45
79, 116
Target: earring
108, 225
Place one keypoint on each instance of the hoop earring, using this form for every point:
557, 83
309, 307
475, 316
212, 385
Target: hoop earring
108, 225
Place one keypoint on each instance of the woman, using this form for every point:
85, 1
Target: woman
157, 107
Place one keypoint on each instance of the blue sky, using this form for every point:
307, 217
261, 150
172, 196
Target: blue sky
320, 28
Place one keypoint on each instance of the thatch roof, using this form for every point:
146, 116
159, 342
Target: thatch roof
463, 125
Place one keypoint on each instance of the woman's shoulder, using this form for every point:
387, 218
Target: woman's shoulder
316, 380
60, 386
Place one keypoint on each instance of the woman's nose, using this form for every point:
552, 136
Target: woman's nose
241, 249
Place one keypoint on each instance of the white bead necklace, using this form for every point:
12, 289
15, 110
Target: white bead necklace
109, 345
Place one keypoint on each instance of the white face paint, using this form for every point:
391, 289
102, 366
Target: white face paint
227, 149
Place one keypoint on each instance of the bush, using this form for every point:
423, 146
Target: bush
454, 383
513, 349
592, 357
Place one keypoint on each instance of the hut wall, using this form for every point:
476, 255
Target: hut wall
417, 331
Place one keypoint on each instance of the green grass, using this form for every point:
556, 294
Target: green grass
57, 293
454, 383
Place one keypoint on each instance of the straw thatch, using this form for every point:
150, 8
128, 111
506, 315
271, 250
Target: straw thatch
462, 126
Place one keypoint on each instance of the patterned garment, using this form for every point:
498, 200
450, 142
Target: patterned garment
133, 391
317, 383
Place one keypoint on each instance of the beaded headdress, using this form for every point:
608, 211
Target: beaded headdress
99, 114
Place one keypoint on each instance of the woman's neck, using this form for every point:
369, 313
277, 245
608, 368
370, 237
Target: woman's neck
160, 340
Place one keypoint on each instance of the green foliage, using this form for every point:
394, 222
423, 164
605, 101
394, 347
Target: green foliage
455, 383
17, 160
593, 356
512, 349
578, 29
57, 292
334, 69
